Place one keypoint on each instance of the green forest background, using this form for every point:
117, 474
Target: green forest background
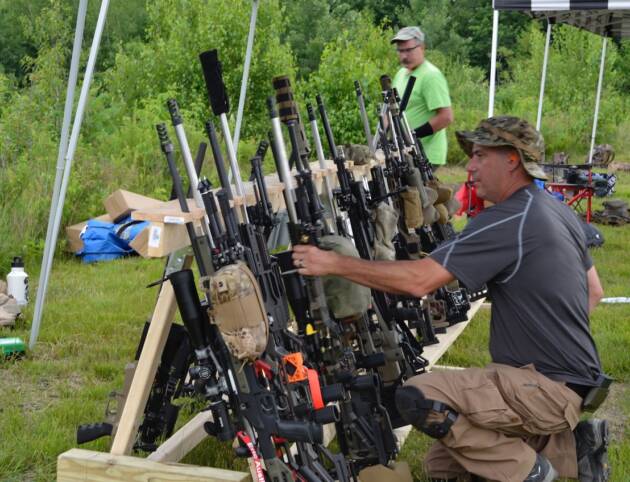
149, 54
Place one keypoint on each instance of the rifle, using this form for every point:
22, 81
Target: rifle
300, 150
288, 111
450, 305
306, 226
261, 213
364, 117
353, 199
248, 244
160, 414
219, 101
364, 431
254, 402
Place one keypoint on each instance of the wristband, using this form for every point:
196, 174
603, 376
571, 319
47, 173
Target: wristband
424, 130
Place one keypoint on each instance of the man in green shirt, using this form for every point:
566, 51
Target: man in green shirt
429, 109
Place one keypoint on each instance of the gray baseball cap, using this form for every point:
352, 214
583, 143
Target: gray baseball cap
409, 33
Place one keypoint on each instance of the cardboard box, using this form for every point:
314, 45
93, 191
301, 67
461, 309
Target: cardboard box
160, 239
73, 233
121, 203
167, 231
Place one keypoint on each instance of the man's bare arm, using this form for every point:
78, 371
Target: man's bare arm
595, 290
442, 119
415, 278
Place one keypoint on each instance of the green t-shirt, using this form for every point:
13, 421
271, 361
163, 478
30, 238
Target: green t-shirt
430, 93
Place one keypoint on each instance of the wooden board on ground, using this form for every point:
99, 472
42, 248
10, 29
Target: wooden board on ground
78, 465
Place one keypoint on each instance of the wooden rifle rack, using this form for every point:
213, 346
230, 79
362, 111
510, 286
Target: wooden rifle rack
79, 465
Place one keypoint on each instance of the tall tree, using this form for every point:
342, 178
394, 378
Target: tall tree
463, 28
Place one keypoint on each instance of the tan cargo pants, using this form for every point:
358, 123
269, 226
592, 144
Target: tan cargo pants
506, 415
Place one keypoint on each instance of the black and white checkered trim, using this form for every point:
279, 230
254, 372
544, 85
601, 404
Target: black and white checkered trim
540, 5
610, 18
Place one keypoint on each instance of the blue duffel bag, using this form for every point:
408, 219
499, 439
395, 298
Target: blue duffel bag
103, 241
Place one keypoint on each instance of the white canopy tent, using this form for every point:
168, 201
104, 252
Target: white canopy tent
68, 142
608, 18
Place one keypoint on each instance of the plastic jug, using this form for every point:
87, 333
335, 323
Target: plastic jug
17, 282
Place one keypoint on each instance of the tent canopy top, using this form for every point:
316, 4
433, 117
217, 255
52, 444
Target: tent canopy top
610, 18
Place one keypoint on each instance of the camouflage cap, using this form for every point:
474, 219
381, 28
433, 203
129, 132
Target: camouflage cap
509, 131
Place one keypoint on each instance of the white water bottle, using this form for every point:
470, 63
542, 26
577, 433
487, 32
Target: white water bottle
17, 281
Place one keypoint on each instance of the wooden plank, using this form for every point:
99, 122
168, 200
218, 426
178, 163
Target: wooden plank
121, 203
275, 195
168, 215
144, 375
183, 441
434, 352
78, 465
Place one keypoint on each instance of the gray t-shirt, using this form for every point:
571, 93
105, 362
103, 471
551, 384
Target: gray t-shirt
531, 252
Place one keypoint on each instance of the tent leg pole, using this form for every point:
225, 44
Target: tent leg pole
49, 248
543, 78
493, 61
246, 65
600, 81
72, 145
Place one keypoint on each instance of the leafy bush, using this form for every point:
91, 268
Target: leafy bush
570, 89
150, 54
168, 61
118, 146
360, 52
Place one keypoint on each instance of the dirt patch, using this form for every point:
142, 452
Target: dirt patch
34, 394
613, 410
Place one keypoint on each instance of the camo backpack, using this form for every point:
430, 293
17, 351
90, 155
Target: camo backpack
603, 154
615, 213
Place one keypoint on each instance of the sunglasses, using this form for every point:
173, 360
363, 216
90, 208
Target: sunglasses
406, 51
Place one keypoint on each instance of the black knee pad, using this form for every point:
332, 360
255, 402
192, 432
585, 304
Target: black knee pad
414, 408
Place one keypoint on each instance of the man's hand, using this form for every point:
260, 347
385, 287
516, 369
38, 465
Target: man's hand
312, 261
595, 290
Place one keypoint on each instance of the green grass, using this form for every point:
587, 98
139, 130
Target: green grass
95, 313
